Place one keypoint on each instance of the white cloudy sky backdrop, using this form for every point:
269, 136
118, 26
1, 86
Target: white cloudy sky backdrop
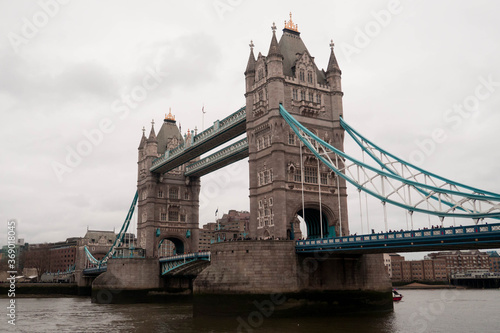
65, 69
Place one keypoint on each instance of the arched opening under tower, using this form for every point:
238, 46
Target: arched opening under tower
316, 224
170, 247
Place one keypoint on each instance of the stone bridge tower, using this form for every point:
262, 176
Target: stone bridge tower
168, 204
289, 75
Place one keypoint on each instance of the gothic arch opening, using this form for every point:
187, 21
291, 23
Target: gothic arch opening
316, 226
170, 246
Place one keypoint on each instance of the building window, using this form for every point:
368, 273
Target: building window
311, 97
163, 216
311, 175
324, 179
173, 215
301, 75
186, 195
261, 95
261, 74
271, 201
297, 176
295, 94
291, 138
144, 194
309, 77
183, 217
173, 193
302, 95
160, 194
318, 98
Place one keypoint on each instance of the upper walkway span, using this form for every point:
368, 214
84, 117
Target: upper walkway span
221, 132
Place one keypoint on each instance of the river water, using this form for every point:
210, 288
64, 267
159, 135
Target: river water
420, 311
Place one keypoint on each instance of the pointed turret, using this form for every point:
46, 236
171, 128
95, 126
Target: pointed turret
333, 65
250, 71
274, 57
152, 135
251, 61
274, 49
152, 142
143, 138
333, 71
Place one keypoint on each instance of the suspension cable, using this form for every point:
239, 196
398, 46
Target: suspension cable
338, 194
320, 210
302, 185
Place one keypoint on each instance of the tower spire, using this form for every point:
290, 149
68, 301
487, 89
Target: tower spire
152, 135
274, 47
333, 65
251, 60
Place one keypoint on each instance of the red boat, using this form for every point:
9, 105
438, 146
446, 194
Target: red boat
396, 297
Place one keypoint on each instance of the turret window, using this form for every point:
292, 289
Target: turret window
160, 194
301, 75
302, 95
163, 217
310, 77
260, 75
318, 98
291, 138
295, 94
311, 97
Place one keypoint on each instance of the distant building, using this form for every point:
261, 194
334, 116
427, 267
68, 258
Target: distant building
416, 270
462, 261
207, 236
494, 261
232, 226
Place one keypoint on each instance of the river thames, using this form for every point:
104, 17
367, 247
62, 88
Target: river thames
446, 310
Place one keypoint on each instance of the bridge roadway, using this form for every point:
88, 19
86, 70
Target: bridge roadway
481, 236
221, 132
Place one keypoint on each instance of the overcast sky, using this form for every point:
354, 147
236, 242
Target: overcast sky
408, 68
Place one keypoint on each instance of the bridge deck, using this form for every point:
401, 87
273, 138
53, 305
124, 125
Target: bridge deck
452, 238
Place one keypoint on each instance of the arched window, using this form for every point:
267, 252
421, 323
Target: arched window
309, 77
301, 75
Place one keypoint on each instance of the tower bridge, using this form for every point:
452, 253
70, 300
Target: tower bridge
295, 131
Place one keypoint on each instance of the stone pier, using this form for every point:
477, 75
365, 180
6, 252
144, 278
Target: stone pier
269, 276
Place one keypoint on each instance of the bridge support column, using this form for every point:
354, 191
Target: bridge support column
126, 280
246, 276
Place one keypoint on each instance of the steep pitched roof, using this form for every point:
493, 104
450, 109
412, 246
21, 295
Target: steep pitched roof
290, 45
168, 132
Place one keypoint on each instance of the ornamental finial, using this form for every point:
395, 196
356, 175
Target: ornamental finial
273, 27
290, 25
170, 116
332, 44
251, 45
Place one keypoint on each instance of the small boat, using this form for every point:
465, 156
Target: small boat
396, 297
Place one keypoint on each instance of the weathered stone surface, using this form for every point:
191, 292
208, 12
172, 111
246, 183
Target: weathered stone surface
129, 274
